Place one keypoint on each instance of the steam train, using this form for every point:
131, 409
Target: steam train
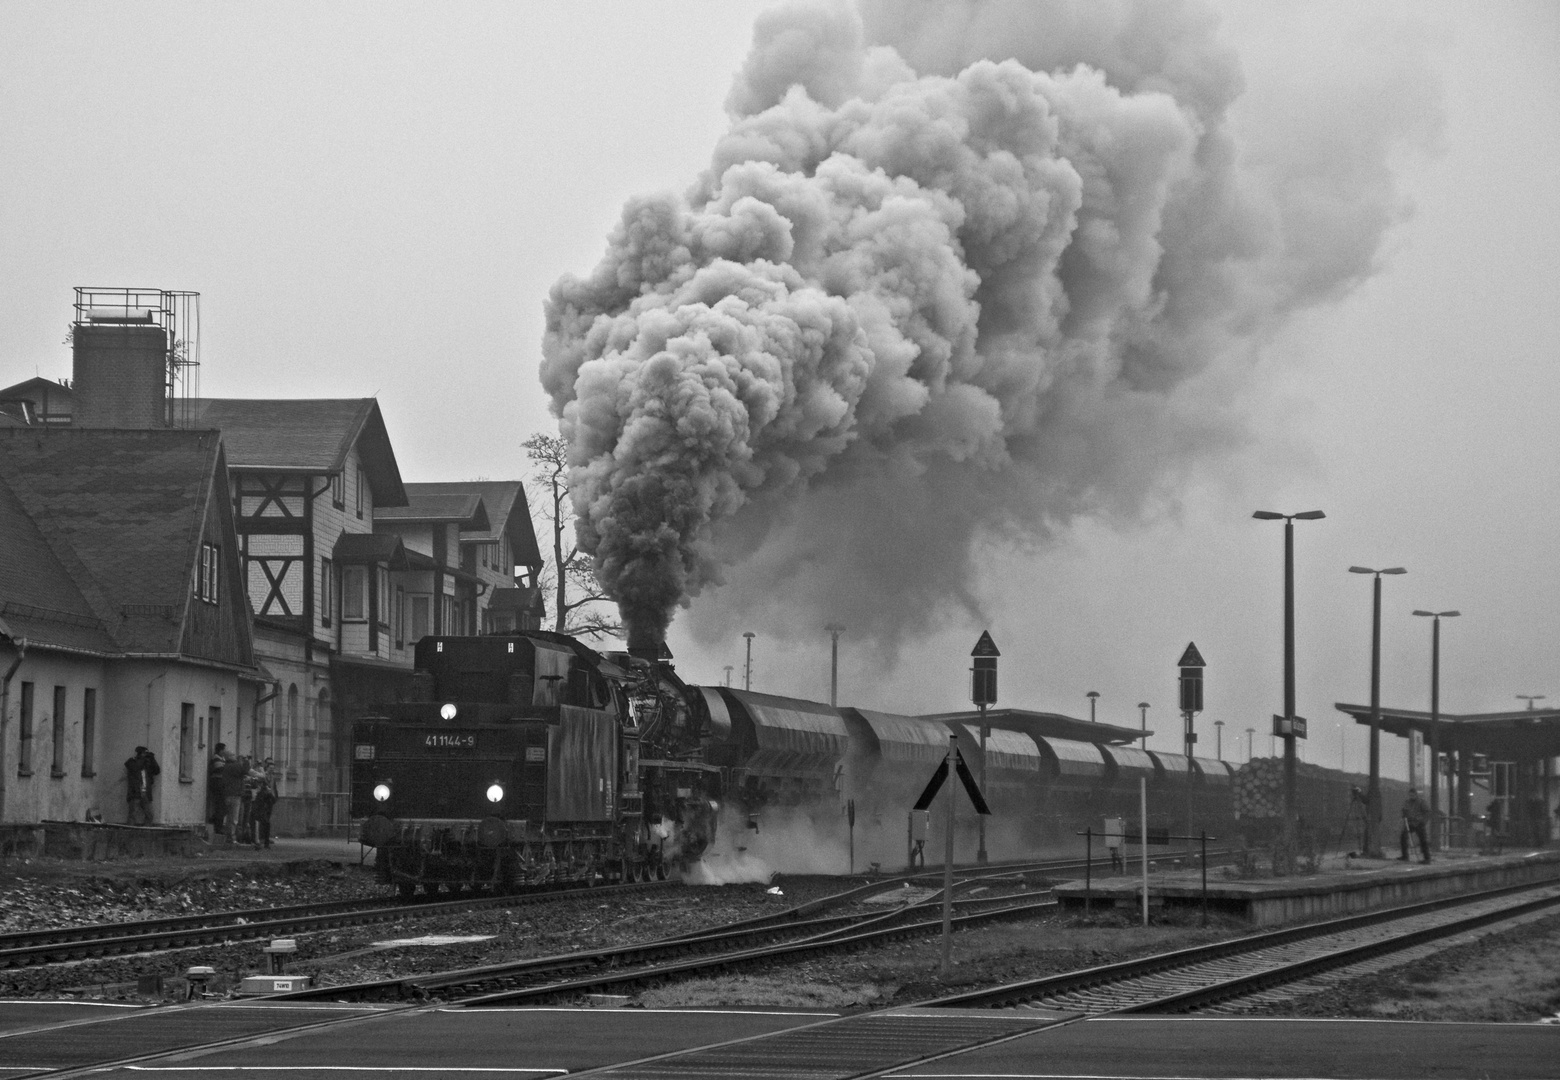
524, 759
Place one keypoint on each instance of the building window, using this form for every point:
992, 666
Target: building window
294, 733
326, 609
421, 614
383, 614
399, 617
358, 498
89, 732
206, 578
353, 580
187, 742
338, 494
57, 750
24, 732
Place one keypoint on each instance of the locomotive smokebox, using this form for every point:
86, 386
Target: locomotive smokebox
646, 646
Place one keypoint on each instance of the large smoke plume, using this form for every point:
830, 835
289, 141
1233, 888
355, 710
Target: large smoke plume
951, 277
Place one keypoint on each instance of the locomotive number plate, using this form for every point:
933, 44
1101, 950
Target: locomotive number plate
450, 740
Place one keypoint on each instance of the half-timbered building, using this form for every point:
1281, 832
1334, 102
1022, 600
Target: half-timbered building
308, 478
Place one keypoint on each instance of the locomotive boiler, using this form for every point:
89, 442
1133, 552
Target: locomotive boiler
527, 759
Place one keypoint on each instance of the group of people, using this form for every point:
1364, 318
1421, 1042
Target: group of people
240, 794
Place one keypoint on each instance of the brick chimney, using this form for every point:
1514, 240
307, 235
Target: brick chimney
120, 371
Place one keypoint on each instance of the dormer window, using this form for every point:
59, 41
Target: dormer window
338, 490
362, 483
206, 575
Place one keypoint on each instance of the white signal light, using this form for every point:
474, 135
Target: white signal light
447, 710
495, 793
381, 792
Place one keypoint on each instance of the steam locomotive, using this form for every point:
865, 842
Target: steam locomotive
527, 759
524, 759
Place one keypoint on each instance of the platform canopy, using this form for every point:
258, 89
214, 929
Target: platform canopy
1504, 736
1043, 725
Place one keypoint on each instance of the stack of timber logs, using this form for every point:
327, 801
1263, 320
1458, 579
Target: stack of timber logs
1259, 789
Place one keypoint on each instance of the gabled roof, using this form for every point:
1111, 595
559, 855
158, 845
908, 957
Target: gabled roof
38, 599
465, 509
109, 524
37, 385
508, 511
310, 435
370, 548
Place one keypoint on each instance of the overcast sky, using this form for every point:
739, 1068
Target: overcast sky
373, 199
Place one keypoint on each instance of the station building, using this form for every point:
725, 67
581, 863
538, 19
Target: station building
330, 565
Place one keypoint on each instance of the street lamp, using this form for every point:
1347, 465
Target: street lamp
835, 630
728, 674
1289, 653
1435, 715
1093, 696
747, 669
1218, 739
1529, 698
1143, 720
1373, 791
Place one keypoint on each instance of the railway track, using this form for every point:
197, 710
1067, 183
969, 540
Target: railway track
799, 929
1096, 990
1218, 977
99, 940
71, 943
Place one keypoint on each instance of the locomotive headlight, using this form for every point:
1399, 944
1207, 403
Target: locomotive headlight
447, 710
381, 792
495, 793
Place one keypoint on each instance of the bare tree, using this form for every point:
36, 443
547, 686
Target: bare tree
571, 577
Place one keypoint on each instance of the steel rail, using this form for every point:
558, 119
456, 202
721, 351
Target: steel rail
790, 921
1256, 982
1098, 980
96, 940
844, 939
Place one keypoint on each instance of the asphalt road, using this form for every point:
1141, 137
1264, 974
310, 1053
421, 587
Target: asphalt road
464, 1044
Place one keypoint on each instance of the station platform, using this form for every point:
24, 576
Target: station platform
1342, 885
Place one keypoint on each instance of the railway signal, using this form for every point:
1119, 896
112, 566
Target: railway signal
1191, 665
956, 761
983, 692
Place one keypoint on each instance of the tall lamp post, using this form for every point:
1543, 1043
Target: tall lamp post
1289, 654
1435, 716
1093, 696
1143, 722
747, 668
1218, 739
1373, 790
835, 630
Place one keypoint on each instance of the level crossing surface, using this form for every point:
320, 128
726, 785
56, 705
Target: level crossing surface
756, 1044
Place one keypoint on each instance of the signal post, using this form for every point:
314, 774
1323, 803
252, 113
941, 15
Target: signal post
1191, 665
983, 693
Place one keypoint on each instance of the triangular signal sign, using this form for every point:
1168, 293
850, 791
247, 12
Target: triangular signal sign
985, 646
1191, 657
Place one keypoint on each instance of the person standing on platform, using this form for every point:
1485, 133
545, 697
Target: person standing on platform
1415, 815
232, 785
260, 805
215, 804
141, 770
